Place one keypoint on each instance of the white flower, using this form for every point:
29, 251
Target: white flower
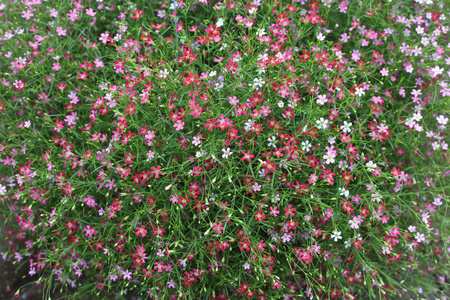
322, 123
343, 192
2, 189
320, 36
371, 166
257, 83
260, 32
199, 154
420, 237
219, 22
347, 243
306, 146
329, 158
322, 99
272, 141
436, 71
437, 201
359, 92
442, 120
164, 73
196, 141
346, 127
336, 236
226, 153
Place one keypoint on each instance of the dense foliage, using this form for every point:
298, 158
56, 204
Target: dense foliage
226, 149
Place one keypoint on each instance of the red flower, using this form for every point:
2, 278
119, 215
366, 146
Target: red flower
156, 171
260, 216
347, 177
247, 156
158, 231
218, 227
137, 14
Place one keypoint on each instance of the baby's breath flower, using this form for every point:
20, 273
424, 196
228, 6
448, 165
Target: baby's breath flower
336, 236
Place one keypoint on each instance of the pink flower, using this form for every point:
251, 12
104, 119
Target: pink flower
179, 125
98, 63
56, 66
289, 211
90, 231
126, 275
141, 231
27, 14
247, 156
104, 38
156, 171
274, 211
218, 227
53, 13
90, 12
60, 31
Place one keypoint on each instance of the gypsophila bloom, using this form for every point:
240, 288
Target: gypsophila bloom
306, 146
348, 243
322, 123
336, 236
346, 127
2, 189
226, 153
272, 142
442, 120
121, 120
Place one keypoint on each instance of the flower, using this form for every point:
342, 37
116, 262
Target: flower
272, 141
346, 127
306, 146
442, 120
437, 201
348, 243
359, 91
126, 275
322, 123
179, 125
353, 224
322, 99
436, 71
290, 211
329, 158
171, 284
90, 231
196, 141
156, 171
260, 216
420, 237
218, 227
274, 211
141, 231
247, 156
226, 153
286, 237
336, 235
27, 14
2, 189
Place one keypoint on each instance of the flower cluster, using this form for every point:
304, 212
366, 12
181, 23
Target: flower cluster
226, 150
